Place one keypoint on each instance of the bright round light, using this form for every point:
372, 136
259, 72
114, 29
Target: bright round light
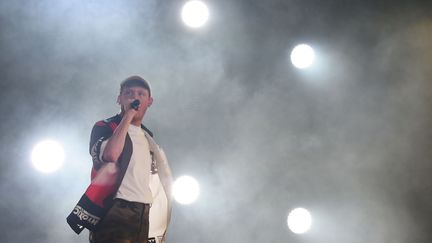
302, 56
195, 14
299, 220
47, 156
185, 190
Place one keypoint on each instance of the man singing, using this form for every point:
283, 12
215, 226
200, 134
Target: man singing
131, 178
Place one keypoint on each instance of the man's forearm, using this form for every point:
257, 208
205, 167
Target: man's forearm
116, 142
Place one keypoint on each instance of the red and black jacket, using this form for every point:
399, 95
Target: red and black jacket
98, 198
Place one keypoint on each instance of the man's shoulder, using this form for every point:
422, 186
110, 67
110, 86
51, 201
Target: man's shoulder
106, 122
147, 130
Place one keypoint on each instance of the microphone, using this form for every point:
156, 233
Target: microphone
135, 104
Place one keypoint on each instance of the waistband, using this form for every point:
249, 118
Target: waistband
125, 203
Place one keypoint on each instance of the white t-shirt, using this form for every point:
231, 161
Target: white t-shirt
135, 185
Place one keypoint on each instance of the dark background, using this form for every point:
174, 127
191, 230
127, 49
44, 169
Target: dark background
349, 139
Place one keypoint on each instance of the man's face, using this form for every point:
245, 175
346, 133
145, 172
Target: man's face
130, 94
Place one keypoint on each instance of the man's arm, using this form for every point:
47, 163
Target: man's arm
115, 144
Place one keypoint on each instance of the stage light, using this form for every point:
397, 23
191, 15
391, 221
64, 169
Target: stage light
299, 220
185, 190
47, 156
302, 56
195, 14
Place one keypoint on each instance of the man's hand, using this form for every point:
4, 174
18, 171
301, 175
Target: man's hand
129, 112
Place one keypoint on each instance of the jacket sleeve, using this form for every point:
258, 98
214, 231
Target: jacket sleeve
101, 132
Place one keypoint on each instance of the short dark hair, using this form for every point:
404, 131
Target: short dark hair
134, 81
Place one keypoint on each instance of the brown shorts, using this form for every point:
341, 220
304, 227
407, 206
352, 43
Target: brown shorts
125, 222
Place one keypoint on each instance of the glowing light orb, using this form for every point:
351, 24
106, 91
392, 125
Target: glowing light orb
185, 190
47, 156
299, 220
194, 14
302, 56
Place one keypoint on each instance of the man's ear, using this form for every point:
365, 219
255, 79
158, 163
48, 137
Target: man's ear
150, 101
118, 99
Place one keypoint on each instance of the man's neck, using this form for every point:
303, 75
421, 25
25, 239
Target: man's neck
136, 122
